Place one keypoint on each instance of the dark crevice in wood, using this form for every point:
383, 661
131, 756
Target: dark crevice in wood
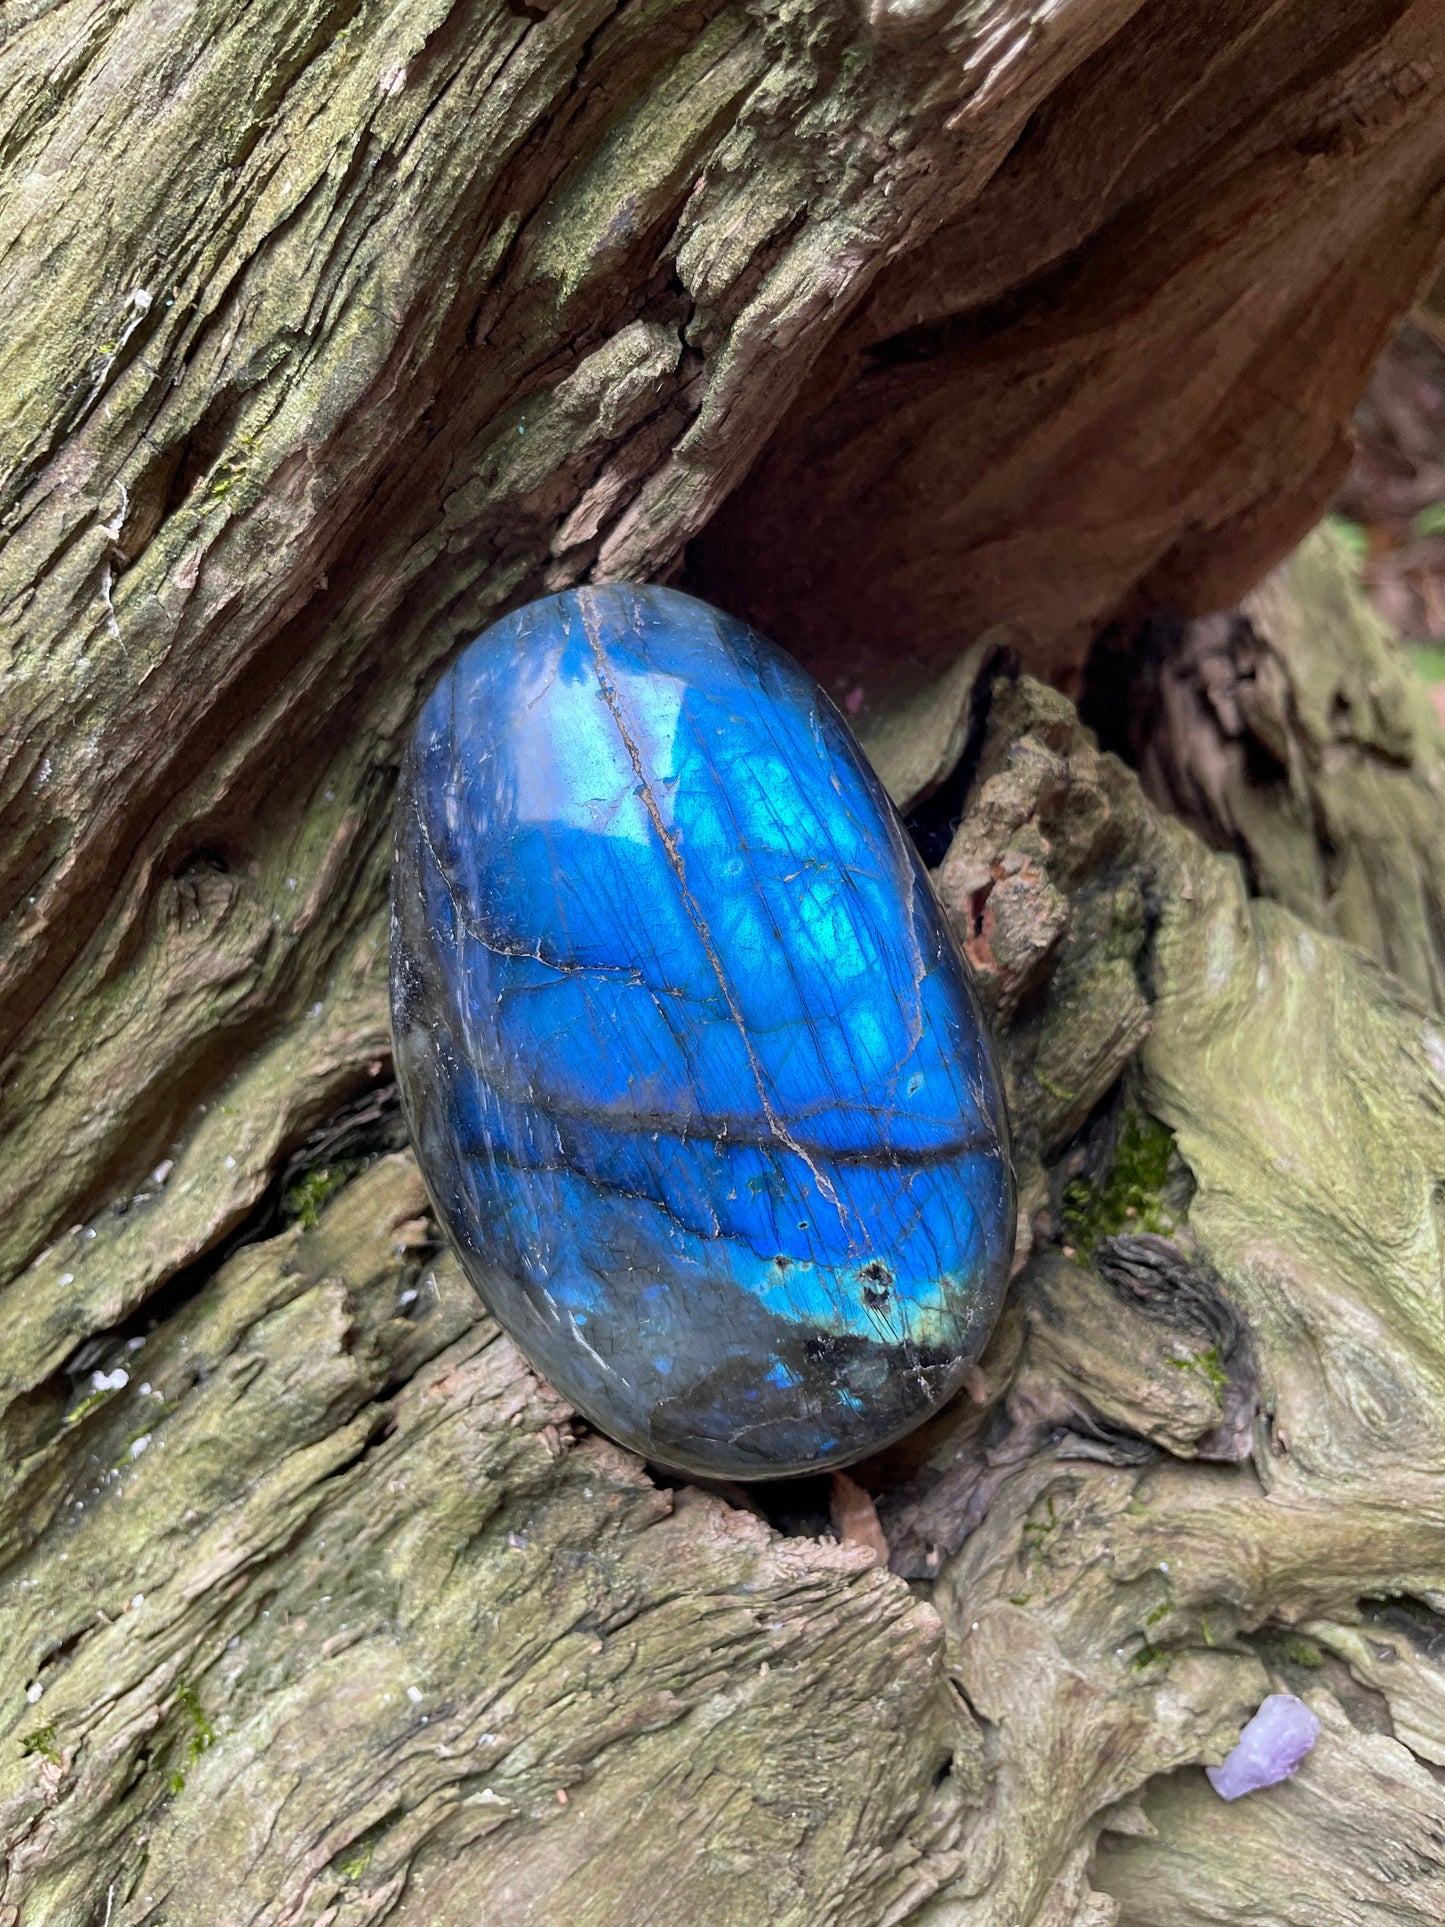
933, 819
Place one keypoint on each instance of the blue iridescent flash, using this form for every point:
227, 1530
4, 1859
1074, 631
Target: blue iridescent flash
692, 1063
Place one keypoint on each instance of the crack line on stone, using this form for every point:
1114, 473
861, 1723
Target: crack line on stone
699, 922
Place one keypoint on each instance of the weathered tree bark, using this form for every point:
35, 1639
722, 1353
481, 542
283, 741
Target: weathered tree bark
333, 332
1283, 731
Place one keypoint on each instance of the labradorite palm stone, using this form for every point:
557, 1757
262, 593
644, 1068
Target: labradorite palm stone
692, 1064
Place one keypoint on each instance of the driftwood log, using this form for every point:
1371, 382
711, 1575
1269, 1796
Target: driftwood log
332, 332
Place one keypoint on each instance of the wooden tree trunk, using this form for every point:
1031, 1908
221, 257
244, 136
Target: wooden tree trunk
333, 331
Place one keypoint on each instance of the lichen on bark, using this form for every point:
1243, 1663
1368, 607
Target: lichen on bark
334, 332
316, 1592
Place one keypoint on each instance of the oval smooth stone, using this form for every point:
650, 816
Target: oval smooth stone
692, 1063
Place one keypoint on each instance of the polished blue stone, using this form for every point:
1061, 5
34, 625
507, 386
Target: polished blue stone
692, 1063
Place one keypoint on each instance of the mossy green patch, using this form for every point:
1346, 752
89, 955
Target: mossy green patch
1279, 1646
1146, 1657
356, 1862
42, 1741
1353, 537
1208, 1365
1053, 1089
203, 1734
303, 1200
87, 1404
356, 1858
1038, 1532
1212, 1366
1129, 1197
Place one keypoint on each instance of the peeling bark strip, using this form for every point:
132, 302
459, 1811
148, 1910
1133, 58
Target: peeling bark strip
333, 330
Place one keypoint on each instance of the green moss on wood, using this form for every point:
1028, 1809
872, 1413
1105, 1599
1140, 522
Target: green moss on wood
203, 1734
304, 1200
1130, 1195
1207, 1363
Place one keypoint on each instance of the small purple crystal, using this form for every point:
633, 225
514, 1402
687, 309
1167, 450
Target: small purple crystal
1269, 1749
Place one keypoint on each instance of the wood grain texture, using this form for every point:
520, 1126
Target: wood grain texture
1286, 731
316, 1596
1121, 376
335, 330
372, 322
